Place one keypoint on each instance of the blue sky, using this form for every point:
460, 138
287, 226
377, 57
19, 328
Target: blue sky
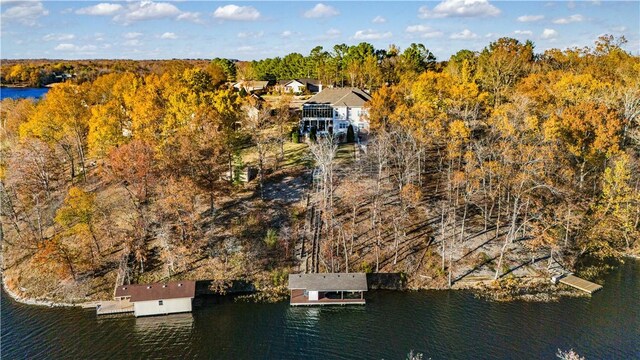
255, 30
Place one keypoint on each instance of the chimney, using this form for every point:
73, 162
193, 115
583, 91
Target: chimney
320, 87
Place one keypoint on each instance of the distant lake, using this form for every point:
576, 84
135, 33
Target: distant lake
440, 324
19, 93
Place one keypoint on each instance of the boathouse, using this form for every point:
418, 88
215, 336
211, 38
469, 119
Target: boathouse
328, 289
159, 298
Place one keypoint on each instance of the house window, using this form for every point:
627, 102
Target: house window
343, 125
160, 302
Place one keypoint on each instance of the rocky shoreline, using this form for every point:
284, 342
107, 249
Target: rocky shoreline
33, 301
526, 289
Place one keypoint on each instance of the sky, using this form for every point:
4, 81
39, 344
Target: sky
256, 30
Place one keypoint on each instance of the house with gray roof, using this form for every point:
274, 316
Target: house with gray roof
333, 109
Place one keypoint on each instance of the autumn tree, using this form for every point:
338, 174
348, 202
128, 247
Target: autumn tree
77, 216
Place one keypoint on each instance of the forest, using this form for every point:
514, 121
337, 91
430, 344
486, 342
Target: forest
492, 166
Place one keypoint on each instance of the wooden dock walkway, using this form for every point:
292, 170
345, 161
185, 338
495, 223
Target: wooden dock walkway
298, 299
580, 284
114, 307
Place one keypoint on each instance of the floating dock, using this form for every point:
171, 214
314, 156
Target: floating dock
580, 284
114, 307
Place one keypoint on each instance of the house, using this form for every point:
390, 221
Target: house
253, 86
299, 86
159, 298
328, 289
333, 110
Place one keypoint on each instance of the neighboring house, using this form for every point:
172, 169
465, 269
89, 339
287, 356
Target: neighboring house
299, 86
333, 110
328, 289
253, 86
159, 298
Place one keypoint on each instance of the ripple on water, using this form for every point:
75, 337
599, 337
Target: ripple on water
439, 324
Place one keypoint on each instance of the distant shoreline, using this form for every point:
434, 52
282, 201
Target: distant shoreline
13, 86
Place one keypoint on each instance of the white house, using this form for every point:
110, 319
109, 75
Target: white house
298, 86
333, 110
158, 298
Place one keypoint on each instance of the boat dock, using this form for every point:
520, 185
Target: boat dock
114, 307
578, 283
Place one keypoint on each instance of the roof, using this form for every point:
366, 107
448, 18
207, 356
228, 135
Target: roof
329, 282
307, 81
304, 81
252, 84
158, 291
351, 97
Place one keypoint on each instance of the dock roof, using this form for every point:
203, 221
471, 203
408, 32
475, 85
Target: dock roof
329, 282
158, 291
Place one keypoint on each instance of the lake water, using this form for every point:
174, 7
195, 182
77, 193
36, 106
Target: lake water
440, 324
17, 93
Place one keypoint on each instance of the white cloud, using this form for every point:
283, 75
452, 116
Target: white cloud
190, 16
370, 34
549, 34
423, 31
250, 34
246, 49
132, 35
169, 36
530, 18
58, 37
330, 34
133, 42
74, 48
101, 9
459, 8
523, 32
465, 34
379, 20
23, 12
235, 12
286, 33
147, 10
321, 11
569, 20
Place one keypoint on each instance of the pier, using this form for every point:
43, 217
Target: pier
114, 307
578, 283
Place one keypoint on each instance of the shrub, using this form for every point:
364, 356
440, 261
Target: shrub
313, 134
271, 238
295, 137
351, 136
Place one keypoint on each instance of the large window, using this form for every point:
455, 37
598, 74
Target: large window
317, 111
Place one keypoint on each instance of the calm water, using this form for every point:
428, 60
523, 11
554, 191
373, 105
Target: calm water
440, 324
17, 93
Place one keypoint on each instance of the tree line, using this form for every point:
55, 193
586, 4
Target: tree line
536, 154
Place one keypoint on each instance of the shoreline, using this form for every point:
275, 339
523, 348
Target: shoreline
33, 301
481, 287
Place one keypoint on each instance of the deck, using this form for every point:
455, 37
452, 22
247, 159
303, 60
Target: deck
580, 284
114, 307
298, 299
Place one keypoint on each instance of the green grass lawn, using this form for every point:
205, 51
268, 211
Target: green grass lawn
345, 154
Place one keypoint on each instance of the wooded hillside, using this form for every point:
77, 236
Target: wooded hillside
483, 165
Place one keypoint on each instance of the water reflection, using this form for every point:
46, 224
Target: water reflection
439, 324
154, 325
